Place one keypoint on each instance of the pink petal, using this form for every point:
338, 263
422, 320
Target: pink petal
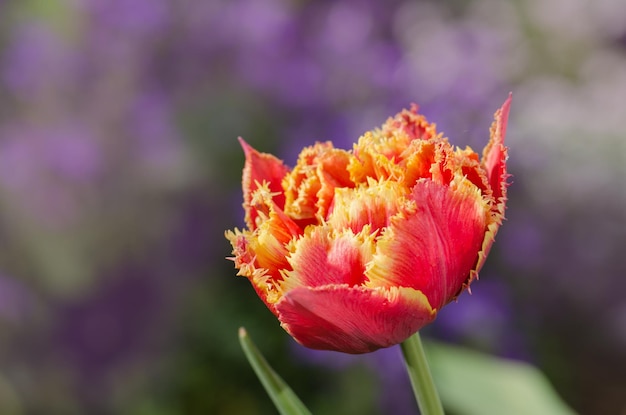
261, 255
434, 248
324, 257
260, 168
494, 161
353, 319
495, 155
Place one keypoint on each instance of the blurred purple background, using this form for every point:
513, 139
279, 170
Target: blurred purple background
120, 170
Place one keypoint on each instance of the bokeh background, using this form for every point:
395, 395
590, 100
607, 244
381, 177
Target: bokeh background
120, 171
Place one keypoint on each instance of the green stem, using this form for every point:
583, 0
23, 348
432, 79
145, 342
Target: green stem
421, 379
281, 394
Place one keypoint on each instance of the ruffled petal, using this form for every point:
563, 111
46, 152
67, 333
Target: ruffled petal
433, 247
310, 187
412, 124
246, 262
325, 256
261, 168
495, 156
381, 153
419, 157
353, 319
494, 160
261, 254
371, 205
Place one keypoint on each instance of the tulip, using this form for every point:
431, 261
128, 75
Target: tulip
357, 250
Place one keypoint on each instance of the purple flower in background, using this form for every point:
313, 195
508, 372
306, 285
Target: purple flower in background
151, 126
41, 164
343, 64
119, 29
73, 154
15, 300
36, 62
131, 18
394, 396
484, 319
103, 335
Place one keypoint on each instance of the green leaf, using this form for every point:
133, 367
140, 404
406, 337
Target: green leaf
472, 383
283, 397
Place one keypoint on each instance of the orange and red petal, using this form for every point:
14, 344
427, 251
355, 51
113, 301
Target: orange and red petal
434, 247
309, 188
419, 157
246, 262
371, 205
495, 156
261, 254
353, 319
325, 256
412, 124
268, 244
261, 168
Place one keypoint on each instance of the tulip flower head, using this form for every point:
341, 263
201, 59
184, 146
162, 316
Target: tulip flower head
357, 250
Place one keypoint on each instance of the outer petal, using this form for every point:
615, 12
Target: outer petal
494, 162
246, 262
261, 255
434, 248
353, 319
495, 155
260, 168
